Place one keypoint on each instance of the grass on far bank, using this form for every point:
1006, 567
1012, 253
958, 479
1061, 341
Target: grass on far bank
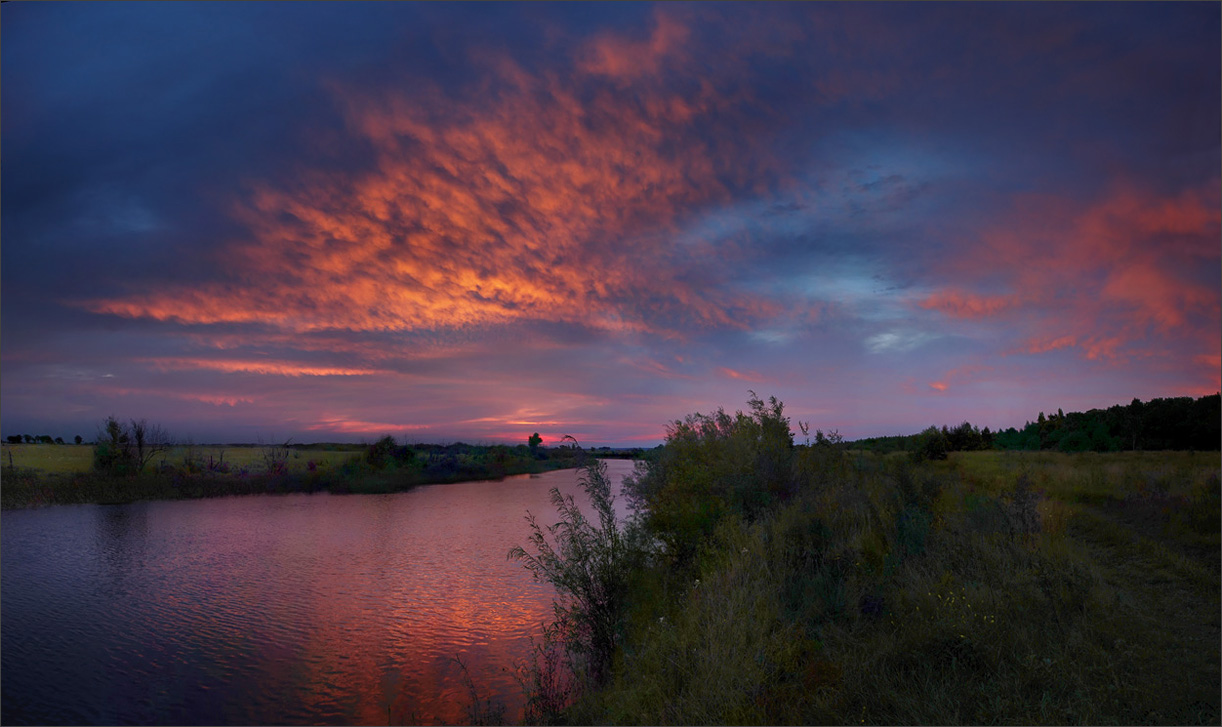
69, 458
49, 474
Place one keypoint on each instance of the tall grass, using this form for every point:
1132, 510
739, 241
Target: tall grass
991, 587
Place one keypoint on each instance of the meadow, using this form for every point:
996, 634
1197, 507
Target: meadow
777, 584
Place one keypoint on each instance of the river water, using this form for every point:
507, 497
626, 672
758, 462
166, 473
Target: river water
276, 609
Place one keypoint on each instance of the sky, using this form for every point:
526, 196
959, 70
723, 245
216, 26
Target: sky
331, 222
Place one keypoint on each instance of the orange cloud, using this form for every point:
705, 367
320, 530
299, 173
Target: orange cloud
958, 375
529, 197
625, 58
278, 368
965, 305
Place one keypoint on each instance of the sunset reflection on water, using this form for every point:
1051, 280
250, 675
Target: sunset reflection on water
279, 609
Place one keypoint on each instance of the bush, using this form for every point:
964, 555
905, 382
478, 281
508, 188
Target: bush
386, 451
712, 466
125, 450
590, 566
113, 454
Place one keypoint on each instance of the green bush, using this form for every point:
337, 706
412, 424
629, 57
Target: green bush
386, 451
114, 454
590, 566
932, 444
712, 466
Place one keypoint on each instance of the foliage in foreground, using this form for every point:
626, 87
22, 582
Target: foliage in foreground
853, 588
590, 565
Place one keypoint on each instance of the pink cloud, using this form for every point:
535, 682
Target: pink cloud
1110, 280
958, 376
741, 375
958, 304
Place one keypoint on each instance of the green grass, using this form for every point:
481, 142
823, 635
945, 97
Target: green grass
41, 475
845, 605
71, 458
58, 458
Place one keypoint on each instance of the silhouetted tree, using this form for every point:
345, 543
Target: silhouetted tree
125, 450
149, 440
933, 444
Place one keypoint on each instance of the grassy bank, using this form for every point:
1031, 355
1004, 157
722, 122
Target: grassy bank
62, 474
786, 584
78, 458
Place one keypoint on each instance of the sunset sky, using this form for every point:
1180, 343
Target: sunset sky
331, 222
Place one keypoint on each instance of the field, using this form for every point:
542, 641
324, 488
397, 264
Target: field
990, 587
69, 458
36, 475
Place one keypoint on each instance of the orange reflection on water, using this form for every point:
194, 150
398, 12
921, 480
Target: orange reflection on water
354, 610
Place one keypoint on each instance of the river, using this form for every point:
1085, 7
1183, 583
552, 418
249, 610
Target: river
273, 609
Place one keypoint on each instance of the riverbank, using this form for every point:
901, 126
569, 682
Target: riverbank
782, 584
218, 472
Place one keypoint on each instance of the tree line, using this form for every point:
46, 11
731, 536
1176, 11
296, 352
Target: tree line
1178, 423
40, 439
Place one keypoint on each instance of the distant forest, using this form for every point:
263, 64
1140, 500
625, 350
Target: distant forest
1181, 423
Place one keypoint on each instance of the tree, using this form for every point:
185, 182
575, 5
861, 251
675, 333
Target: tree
933, 444
28, 438
59, 440
150, 440
79, 439
113, 453
534, 441
125, 450
14, 439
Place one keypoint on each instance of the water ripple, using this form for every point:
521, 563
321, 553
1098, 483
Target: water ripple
297, 609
